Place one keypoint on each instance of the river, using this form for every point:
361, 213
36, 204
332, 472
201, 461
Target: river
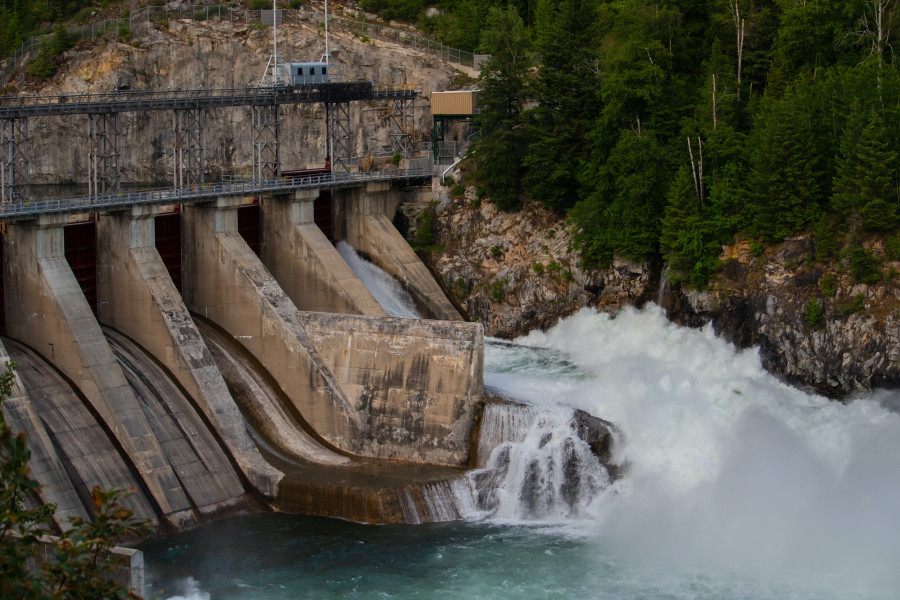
736, 486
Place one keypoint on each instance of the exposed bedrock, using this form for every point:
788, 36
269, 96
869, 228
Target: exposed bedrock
514, 272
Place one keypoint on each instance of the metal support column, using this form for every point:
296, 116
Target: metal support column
14, 172
103, 153
404, 137
340, 145
266, 148
188, 155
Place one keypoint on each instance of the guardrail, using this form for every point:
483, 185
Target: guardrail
14, 210
148, 100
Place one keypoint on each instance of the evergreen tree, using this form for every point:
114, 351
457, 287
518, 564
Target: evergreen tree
500, 152
787, 174
864, 192
566, 102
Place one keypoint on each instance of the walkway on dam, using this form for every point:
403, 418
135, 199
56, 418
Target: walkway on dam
21, 106
13, 211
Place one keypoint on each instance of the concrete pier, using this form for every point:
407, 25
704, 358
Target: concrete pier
225, 282
46, 309
306, 265
364, 222
137, 297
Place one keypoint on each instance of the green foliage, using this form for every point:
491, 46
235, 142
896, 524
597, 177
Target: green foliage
497, 290
259, 4
496, 251
825, 240
461, 289
892, 247
537, 268
854, 306
78, 569
425, 227
828, 285
864, 266
458, 190
812, 313
500, 151
864, 192
396, 158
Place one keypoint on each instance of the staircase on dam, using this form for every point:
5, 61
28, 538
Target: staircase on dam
224, 357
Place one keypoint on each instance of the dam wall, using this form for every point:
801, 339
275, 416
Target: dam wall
46, 309
343, 399
137, 297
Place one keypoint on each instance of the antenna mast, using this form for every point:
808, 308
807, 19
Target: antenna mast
273, 60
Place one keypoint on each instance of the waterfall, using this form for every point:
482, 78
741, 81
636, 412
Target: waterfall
533, 467
663, 287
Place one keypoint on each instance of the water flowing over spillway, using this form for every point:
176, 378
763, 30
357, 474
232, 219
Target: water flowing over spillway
393, 298
735, 486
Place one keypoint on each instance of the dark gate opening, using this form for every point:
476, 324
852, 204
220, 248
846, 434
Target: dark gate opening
168, 244
81, 254
248, 225
322, 213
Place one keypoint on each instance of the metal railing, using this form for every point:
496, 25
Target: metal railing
147, 100
16, 210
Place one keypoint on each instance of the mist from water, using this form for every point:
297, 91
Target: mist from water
730, 472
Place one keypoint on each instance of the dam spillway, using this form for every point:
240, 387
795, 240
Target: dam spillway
133, 393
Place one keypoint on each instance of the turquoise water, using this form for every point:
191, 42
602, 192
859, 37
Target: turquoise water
737, 487
278, 556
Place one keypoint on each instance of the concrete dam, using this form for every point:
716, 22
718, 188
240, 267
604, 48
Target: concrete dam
220, 355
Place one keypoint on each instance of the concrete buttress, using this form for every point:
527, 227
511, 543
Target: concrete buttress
228, 284
137, 297
46, 309
311, 272
364, 222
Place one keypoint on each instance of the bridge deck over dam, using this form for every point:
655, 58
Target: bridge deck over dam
30, 209
21, 106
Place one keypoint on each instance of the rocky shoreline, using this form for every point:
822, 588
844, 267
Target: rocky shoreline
515, 272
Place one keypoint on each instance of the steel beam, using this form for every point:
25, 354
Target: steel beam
14, 166
188, 155
339, 139
266, 147
103, 153
404, 137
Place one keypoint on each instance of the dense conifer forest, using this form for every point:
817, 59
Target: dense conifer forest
665, 128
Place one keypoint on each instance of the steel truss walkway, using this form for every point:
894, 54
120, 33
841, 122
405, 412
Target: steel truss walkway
187, 105
17, 211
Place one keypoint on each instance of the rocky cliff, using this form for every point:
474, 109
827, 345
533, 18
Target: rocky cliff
188, 54
812, 323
